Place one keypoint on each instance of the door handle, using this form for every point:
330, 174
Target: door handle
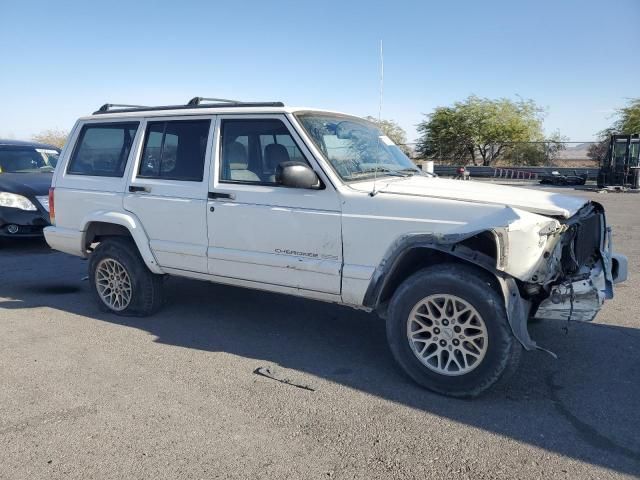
138, 188
216, 195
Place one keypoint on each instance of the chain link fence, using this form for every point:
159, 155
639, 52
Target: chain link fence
521, 154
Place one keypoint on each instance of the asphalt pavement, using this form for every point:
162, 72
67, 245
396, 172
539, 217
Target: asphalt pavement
239, 384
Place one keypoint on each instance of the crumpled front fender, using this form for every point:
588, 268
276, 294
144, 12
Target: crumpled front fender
517, 308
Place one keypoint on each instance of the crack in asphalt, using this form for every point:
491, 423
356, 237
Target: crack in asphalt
585, 431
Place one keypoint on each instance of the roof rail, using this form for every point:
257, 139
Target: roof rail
196, 102
107, 107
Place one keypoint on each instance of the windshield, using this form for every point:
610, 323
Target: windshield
356, 148
27, 160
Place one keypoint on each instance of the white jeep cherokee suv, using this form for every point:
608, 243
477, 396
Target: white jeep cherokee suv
322, 205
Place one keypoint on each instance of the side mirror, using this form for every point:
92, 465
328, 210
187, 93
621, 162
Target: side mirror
297, 175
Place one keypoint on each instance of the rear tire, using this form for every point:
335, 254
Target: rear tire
448, 330
120, 281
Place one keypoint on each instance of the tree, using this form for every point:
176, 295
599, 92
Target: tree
479, 130
536, 153
628, 121
598, 151
394, 131
555, 144
55, 137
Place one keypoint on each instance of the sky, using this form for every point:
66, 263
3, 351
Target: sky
60, 60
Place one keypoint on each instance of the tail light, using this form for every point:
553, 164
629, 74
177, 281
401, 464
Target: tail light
52, 208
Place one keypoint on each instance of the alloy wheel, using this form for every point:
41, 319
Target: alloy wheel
447, 334
113, 284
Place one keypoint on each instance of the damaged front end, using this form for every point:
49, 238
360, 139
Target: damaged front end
546, 267
574, 275
585, 270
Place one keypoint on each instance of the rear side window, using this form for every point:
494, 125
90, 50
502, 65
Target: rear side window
103, 149
175, 150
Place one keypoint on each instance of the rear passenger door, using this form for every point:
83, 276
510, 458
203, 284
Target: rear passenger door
262, 231
168, 189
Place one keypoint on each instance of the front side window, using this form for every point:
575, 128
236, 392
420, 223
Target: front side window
103, 149
356, 148
175, 150
253, 149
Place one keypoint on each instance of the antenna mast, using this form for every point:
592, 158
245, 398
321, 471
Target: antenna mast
381, 81
375, 173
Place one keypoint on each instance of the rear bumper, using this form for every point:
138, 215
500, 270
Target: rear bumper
64, 239
23, 223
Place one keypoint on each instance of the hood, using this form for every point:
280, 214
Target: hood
535, 201
28, 184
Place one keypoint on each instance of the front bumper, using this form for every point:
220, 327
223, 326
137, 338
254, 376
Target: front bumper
29, 223
619, 268
581, 297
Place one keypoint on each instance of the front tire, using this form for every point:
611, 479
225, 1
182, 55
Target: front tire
448, 330
121, 282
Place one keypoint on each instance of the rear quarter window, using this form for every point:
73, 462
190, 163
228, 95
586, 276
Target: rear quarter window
103, 149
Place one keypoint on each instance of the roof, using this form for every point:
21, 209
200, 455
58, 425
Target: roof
181, 112
204, 111
196, 106
25, 143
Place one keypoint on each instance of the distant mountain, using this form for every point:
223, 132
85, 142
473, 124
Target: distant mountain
575, 152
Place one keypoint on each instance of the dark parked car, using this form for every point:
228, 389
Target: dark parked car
25, 177
556, 178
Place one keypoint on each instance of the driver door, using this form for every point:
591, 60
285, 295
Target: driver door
261, 231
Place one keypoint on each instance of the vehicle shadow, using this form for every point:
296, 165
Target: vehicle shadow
583, 405
23, 245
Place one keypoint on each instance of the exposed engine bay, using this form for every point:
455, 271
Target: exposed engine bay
583, 269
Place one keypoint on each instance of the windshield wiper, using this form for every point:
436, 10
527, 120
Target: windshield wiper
410, 170
385, 170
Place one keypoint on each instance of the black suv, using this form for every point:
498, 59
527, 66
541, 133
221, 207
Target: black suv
25, 178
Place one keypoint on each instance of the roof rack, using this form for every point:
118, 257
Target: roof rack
108, 107
195, 102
